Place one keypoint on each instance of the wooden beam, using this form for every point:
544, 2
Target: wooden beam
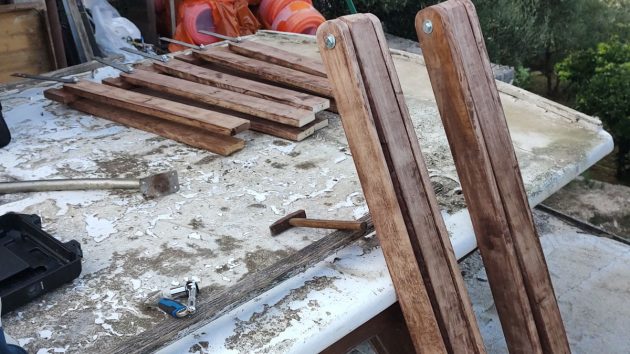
256, 124
271, 72
279, 56
286, 132
253, 285
397, 188
478, 134
218, 144
179, 113
238, 102
195, 73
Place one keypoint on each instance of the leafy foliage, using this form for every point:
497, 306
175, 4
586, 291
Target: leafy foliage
600, 79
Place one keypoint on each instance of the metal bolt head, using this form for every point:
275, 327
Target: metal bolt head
330, 41
427, 26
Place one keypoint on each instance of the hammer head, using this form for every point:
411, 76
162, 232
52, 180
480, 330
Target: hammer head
283, 224
159, 185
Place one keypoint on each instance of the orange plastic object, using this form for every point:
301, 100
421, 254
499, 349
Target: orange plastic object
298, 17
269, 9
228, 17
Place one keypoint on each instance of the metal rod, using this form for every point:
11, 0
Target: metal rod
162, 58
68, 185
72, 80
114, 65
183, 44
221, 36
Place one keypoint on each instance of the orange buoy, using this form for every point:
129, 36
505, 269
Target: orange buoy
298, 17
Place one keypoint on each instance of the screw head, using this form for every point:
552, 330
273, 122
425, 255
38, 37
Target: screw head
330, 41
427, 26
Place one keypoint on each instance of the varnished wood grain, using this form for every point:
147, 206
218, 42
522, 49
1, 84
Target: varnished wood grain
363, 96
218, 144
179, 113
260, 69
475, 124
238, 102
191, 72
279, 56
256, 124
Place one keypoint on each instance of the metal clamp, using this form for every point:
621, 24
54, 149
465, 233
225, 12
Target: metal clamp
72, 80
177, 309
114, 65
162, 58
221, 36
183, 44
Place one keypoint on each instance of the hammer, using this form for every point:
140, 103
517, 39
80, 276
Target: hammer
298, 219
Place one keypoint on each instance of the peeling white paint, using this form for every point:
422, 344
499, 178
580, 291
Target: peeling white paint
99, 229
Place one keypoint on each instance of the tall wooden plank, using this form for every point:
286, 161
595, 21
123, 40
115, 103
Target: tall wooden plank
260, 69
218, 144
496, 133
425, 226
180, 113
279, 57
257, 107
195, 73
371, 159
479, 137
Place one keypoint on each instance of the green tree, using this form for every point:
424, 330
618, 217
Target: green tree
600, 79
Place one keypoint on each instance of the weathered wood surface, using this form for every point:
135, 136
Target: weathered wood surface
477, 131
279, 56
218, 144
256, 124
287, 132
211, 308
271, 72
185, 70
426, 229
179, 113
396, 185
257, 107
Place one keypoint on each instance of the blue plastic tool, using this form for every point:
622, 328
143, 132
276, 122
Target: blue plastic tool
173, 308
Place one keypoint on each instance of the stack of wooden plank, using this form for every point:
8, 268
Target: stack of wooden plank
205, 98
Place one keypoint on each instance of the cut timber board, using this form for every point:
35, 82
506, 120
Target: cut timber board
477, 131
425, 226
271, 72
218, 144
238, 102
371, 160
209, 309
280, 57
183, 69
256, 124
179, 113
285, 132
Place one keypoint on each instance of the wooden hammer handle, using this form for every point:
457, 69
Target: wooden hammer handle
328, 224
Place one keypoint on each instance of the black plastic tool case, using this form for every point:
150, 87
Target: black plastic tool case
32, 262
5, 135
